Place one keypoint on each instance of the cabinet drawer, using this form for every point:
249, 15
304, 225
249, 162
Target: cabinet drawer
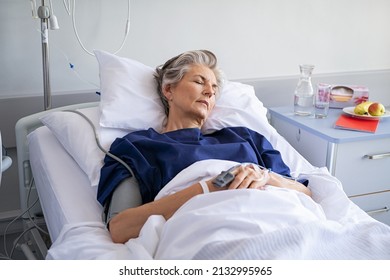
310, 146
376, 205
360, 174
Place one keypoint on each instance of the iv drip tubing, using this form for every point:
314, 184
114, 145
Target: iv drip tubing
73, 14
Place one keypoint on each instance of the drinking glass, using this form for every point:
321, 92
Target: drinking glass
321, 101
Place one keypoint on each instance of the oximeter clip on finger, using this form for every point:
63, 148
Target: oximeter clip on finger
224, 178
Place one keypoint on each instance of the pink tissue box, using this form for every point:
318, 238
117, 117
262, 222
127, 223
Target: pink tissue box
347, 96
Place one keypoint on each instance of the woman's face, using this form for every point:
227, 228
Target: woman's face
194, 96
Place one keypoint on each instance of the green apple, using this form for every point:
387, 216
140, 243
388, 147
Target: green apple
376, 109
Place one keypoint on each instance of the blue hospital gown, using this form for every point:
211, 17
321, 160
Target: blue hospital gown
157, 158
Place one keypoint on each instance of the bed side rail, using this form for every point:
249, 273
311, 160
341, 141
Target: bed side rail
23, 127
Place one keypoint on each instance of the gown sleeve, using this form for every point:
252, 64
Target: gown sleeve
112, 173
269, 157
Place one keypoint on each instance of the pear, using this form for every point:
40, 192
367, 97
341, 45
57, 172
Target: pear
362, 108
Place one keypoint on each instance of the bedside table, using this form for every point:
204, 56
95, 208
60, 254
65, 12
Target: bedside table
360, 160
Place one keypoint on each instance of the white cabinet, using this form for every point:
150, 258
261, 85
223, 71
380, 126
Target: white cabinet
360, 160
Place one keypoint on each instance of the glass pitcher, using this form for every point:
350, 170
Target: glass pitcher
303, 95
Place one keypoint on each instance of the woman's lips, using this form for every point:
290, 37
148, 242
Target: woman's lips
204, 102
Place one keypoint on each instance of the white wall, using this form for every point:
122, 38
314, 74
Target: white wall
252, 38
259, 41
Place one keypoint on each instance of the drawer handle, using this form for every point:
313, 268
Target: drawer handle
377, 156
384, 209
298, 135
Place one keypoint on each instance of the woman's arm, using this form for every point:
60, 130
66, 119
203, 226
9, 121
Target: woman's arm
251, 176
128, 223
279, 181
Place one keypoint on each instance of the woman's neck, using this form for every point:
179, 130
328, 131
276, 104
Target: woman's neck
181, 124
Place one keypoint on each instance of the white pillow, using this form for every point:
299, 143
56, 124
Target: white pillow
129, 101
77, 137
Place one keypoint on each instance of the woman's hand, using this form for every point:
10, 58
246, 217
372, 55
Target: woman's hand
248, 176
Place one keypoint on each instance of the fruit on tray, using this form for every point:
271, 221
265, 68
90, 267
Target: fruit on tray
376, 109
362, 108
370, 108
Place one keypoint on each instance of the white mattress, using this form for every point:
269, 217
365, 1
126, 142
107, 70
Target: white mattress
62, 186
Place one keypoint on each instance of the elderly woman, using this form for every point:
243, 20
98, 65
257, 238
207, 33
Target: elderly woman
189, 85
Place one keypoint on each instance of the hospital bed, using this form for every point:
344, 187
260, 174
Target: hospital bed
58, 149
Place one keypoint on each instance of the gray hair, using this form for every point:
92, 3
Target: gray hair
175, 68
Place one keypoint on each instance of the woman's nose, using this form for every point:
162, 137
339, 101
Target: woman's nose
209, 89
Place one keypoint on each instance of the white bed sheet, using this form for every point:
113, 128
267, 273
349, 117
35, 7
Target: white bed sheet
243, 224
63, 188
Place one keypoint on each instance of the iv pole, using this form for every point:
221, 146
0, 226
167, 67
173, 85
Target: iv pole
30, 225
44, 14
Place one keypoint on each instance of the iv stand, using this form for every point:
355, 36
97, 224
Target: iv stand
44, 14
38, 242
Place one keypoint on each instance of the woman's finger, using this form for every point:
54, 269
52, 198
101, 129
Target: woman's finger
249, 176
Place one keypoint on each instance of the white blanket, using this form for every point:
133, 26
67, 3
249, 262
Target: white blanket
274, 223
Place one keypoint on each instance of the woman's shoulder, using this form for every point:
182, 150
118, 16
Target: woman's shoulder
150, 132
135, 136
235, 131
238, 129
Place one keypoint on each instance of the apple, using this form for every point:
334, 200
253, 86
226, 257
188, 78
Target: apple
376, 109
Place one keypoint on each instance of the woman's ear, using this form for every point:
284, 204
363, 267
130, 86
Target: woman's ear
167, 91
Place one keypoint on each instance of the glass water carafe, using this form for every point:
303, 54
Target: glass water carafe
303, 95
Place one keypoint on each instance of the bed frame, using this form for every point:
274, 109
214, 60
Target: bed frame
34, 245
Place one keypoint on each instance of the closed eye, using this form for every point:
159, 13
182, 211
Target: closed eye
200, 80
